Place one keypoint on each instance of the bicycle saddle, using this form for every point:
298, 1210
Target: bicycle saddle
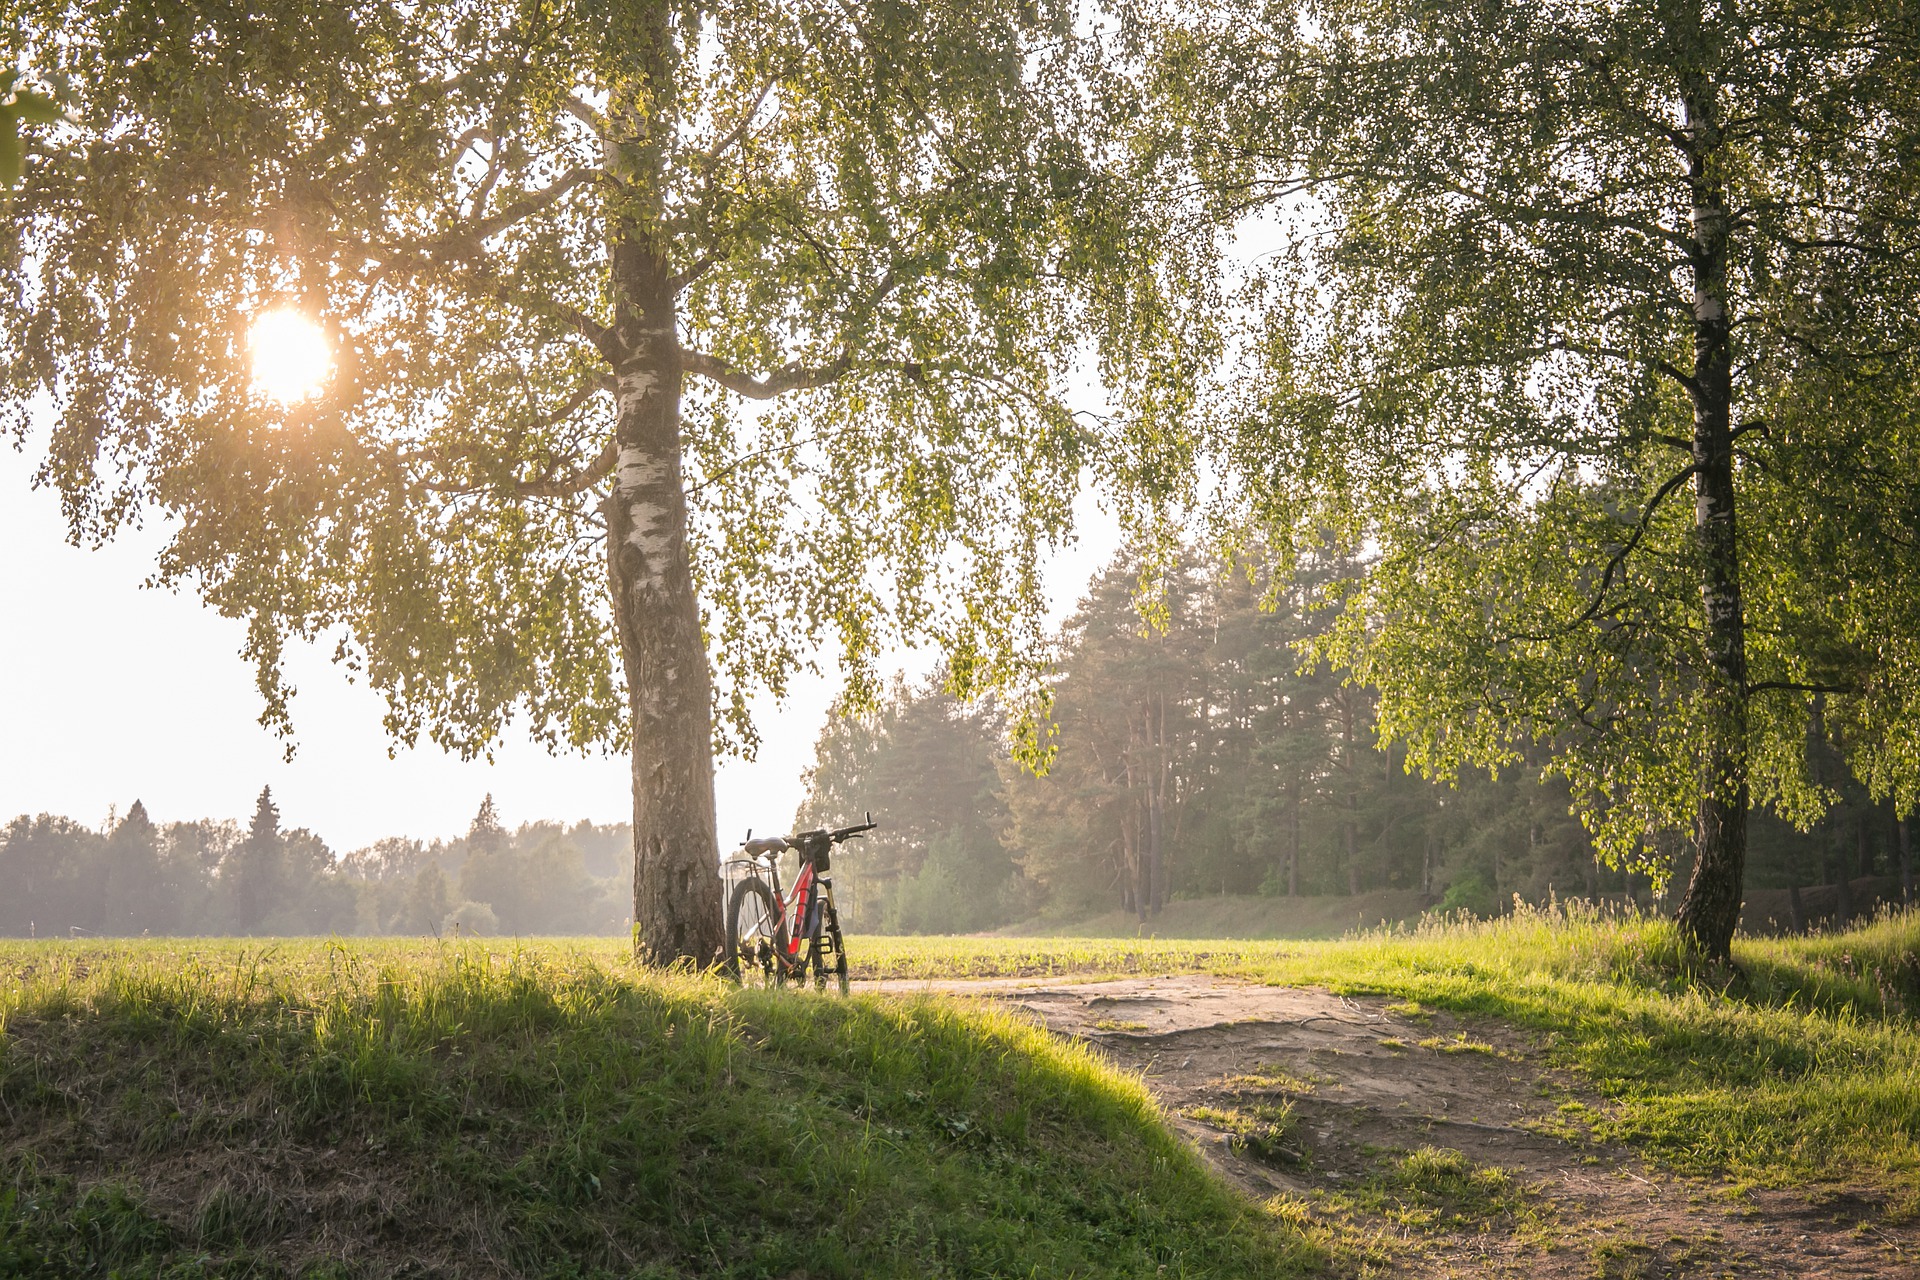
766, 844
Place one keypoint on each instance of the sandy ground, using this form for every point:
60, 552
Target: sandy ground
1364, 1090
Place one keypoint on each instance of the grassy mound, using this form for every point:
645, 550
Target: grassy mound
208, 1109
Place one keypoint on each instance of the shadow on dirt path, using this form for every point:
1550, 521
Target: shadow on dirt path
1446, 1141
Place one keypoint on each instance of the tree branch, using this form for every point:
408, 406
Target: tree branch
463, 143
585, 114
577, 481
791, 377
1619, 558
527, 205
739, 129
1766, 686
1571, 348
580, 481
680, 280
565, 486
600, 335
740, 460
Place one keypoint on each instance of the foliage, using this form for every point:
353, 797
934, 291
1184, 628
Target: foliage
1541, 269
1263, 767
555, 1110
1199, 751
17, 107
885, 212
925, 764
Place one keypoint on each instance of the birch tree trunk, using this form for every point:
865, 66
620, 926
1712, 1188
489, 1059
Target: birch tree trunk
1711, 908
676, 884
656, 615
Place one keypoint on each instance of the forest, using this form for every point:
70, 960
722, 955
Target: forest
1196, 750
1206, 752
135, 877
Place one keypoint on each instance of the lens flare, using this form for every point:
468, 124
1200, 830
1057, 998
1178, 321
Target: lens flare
291, 359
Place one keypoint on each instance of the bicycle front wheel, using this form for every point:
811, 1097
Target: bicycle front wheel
839, 948
756, 936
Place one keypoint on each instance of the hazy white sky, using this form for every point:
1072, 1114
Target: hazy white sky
110, 692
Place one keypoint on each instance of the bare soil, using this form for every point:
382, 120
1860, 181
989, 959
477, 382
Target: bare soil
1357, 1086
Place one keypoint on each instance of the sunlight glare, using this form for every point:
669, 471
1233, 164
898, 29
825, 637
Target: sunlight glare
291, 360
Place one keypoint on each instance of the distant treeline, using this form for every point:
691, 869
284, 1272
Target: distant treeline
1202, 758
59, 878
1192, 759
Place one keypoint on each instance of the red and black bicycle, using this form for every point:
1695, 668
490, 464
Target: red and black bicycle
774, 938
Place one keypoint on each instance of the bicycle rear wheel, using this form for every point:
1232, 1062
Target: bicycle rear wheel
756, 936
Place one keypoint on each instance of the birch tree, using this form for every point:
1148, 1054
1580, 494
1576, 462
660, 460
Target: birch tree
555, 248
1547, 271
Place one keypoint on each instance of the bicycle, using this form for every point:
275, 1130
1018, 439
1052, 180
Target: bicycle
759, 936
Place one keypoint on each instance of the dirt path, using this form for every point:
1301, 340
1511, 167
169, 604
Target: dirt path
1325, 1098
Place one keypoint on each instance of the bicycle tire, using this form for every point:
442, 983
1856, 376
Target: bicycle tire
817, 959
839, 949
764, 926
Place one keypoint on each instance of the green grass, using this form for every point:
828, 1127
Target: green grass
187, 1109
1434, 1188
1801, 1065
219, 1108
1258, 1129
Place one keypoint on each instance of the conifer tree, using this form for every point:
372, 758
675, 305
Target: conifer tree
255, 872
137, 896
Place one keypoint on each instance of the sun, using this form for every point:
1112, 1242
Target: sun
291, 359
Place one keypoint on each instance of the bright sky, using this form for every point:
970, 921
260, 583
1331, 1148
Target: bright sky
111, 692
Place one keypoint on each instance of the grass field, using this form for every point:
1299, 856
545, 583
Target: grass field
1244, 916
187, 1108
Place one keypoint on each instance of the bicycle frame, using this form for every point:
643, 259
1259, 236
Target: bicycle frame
806, 915
804, 910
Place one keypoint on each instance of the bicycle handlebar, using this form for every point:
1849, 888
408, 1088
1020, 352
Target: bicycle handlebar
779, 844
858, 828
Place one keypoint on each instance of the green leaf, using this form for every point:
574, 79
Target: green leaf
11, 150
35, 107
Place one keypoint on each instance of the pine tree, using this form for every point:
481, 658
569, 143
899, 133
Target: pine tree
924, 764
137, 896
255, 871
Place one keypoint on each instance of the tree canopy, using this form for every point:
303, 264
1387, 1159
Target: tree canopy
554, 249
1545, 271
